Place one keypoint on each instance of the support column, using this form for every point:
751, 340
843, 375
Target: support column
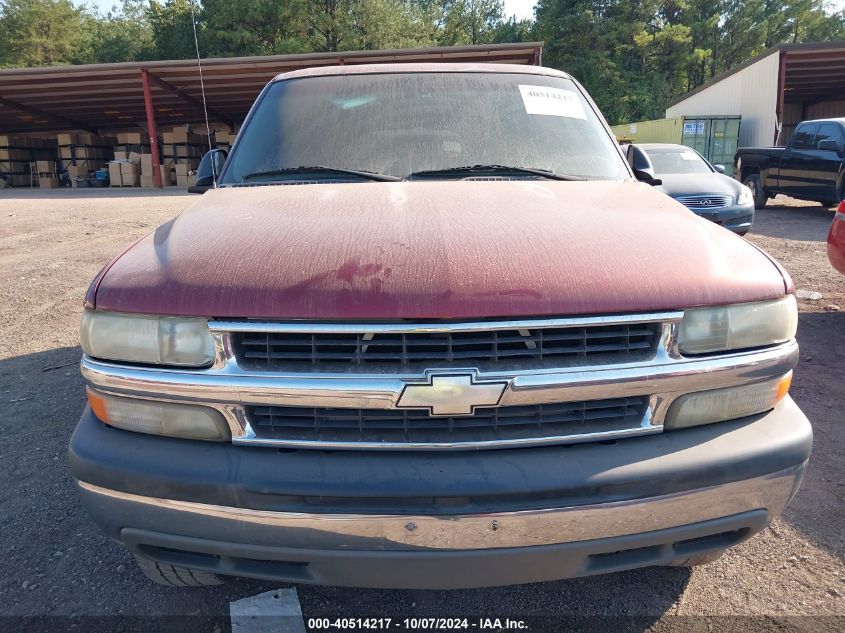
151, 127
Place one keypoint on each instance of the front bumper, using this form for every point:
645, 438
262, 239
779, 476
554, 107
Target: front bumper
737, 218
435, 519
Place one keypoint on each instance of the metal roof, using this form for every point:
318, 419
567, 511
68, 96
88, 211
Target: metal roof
109, 96
811, 71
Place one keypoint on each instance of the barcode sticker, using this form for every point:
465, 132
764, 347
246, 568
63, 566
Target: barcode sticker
551, 102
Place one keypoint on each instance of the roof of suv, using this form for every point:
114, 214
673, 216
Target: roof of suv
441, 67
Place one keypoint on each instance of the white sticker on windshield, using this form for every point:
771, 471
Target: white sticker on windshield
551, 101
689, 155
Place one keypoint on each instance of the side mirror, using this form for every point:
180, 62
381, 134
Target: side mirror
209, 169
831, 145
641, 165
719, 168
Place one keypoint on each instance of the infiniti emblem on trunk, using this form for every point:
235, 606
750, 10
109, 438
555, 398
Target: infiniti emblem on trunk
451, 394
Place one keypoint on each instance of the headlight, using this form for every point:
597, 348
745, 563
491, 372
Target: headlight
159, 418
147, 339
718, 405
738, 326
745, 196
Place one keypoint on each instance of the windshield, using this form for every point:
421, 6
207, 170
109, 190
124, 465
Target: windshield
397, 124
677, 161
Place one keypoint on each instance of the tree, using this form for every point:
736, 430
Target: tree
513, 30
42, 33
469, 21
172, 28
387, 24
255, 27
122, 36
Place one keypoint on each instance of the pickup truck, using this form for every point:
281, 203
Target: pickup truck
808, 168
430, 329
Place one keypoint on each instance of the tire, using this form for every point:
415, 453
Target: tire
174, 576
741, 233
752, 181
695, 561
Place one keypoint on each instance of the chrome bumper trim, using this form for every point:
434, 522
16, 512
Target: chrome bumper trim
480, 531
317, 327
383, 392
229, 388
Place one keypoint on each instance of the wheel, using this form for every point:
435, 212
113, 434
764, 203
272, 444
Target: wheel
743, 232
694, 561
759, 194
174, 576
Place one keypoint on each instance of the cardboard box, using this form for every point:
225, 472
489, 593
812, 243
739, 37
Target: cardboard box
182, 168
166, 174
147, 181
130, 138
66, 139
120, 155
181, 135
48, 182
185, 181
115, 179
134, 157
128, 168
45, 166
146, 164
129, 175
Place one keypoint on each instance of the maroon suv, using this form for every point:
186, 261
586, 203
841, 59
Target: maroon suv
430, 331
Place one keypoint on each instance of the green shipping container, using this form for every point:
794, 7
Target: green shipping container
714, 137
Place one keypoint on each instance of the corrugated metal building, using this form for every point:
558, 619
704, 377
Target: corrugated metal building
774, 91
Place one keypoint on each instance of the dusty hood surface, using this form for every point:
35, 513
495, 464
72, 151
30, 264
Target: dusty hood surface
420, 250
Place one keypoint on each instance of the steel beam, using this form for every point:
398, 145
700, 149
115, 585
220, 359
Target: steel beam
151, 127
161, 83
70, 124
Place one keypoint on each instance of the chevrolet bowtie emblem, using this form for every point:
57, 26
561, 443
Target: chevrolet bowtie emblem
451, 395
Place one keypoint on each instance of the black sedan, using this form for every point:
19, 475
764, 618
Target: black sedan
701, 187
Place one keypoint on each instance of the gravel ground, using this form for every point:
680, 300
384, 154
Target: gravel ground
56, 564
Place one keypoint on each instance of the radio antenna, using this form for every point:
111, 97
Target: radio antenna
202, 89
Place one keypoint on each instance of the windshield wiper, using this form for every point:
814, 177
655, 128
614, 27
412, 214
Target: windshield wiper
321, 169
491, 169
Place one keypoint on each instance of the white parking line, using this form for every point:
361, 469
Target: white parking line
275, 611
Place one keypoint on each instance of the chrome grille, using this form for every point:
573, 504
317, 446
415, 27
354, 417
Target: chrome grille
705, 201
617, 343
412, 426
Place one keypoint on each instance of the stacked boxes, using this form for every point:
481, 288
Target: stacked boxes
223, 139
183, 150
19, 156
82, 154
147, 175
124, 171
47, 178
185, 177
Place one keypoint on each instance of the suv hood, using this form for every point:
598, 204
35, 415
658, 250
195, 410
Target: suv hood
416, 250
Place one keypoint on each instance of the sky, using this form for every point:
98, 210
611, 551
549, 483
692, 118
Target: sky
523, 8
520, 8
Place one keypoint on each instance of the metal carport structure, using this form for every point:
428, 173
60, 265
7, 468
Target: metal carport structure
104, 97
774, 91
